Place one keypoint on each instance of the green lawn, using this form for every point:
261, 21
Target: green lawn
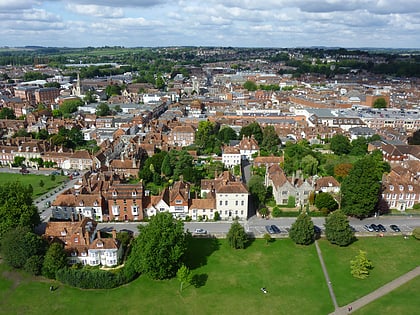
229, 283
34, 180
391, 258
403, 300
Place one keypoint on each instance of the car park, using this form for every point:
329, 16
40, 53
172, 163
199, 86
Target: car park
381, 228
395, 228
275, 229
200, 231
368, 228
269, 229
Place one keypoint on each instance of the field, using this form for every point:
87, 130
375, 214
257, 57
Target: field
229, 282
34, 180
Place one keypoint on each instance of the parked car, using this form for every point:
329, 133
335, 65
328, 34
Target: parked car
200, 231
395, 228
269, 229
375, 227
368, 228
317, 230
275, 229
381, 228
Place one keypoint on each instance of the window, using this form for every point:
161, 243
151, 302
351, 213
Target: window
221, 203
125, 201
226, 202
178, 201
242, 203
114, 193
134, 193
236, 202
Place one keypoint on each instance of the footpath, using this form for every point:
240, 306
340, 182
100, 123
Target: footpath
387, 288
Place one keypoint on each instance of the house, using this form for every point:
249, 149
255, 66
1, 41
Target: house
78, 239
401, 187
231, 156
285, 187
230, 194
69, 206
125, 202
248, 146
156, 204
179, 198
181, 136
202, 209
327, 184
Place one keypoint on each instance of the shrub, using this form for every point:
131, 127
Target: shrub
276, 212
416, 233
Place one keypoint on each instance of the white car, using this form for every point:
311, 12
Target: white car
368, 228
200, 231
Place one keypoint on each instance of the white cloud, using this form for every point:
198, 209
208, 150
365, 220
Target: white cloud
95, 10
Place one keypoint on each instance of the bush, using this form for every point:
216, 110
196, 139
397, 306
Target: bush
216, 216
276, 212
416, 206
416, 233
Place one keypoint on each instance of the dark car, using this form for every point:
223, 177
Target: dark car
381, 228
275, 229
375, 227
269, 229
317, 230
395, 228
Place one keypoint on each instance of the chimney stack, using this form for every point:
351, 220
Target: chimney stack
114, 234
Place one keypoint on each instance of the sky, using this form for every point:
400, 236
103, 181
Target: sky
236, 23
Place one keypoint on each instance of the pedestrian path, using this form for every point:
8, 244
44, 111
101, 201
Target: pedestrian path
327, 277
387, 288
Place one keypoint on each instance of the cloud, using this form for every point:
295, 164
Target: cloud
95, 10
125, 3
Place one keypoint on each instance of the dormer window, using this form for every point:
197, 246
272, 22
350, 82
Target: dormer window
401, 187
410, 187
391, 187
100, 244
134, 193
114, 193
95, 203
81, 203
76, 240
178, 201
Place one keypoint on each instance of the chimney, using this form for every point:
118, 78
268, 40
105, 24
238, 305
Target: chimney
87, 238
98, 233
114, 234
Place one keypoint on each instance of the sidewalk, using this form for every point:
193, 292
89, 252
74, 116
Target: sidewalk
379, 292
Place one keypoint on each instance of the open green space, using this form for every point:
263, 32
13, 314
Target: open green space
34, 181
391, 258
228, 282
400, 301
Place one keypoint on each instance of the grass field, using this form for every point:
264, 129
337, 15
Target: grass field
391, 258
403, 300
34, 180
230, 282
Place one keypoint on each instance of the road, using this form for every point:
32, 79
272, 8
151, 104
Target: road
256, 226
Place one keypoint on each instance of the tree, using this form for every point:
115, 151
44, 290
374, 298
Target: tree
337, 229
360, 190
267, 238
415, 139
7, 113
257, 189
253, 129
89, 97
250, 85
70, 106
103, 109
159, 249
325, 200
270, 139
302, 230
52, 84
264, 212
340, 144
360, 266
41, 183
359, 146
205, 135
309, 165
226, 134
379, 103
19, 244
416, 233
236, 236
112, 90
16, 208
184, 276
55, 259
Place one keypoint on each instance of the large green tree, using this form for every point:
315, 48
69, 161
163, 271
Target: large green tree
379, 103
360, 190
253, 129
340, 144
226, 134
19, 244
337, 229
16, 208
270, 140
360, 266
257, 189
236, 236
159, 249
103, 109
205, 135
325, 200
70, 106
302, 230
7, 113
55, 259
